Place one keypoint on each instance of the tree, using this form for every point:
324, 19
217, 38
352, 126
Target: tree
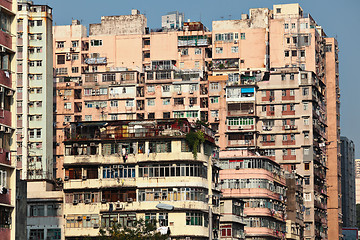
141, 230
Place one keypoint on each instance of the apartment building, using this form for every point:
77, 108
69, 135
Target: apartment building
261, 82
232, 218
295, 206
7, 162
173, 20
123, 170
261, 184
34, 83
44, 211
348, 186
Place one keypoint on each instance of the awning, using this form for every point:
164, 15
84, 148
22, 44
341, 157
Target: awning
247, 90
165, 206
91, 124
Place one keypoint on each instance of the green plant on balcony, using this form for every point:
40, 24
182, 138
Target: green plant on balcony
194, 139
221, 66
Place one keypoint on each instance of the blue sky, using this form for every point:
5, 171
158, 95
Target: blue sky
339, 19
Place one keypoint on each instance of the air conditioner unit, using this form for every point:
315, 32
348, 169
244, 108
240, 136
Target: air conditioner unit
68, 57
2, 49
66, 178
179, 92
251, 111
113, 83
240, 127
293, 127
88, 218
75, 202
103, 200
96, 225
65, 98
130, 200
191, 92
293, 171
84, 177
237, 167
87, 201
68, 84
287, 126
216, 119
79, 218
60, 94
235, 42
115, 166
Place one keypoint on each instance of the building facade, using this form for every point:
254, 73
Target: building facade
348, 186
120, 171
34, 86
7, 162
261, 82
44, 211
261, 184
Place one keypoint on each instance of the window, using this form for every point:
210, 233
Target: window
306, 106
293, 25
328, 48
151, 115
74, 44
214, 86
305, 91
278, 10
272, 108
242, 36
60, 59
284, 152
197, 65
178, 101
293, 152
307, 182
306, 135
214, 99
287, 40
292, 92
263, 93
67, 105
166, 88
166, 114
75, 69
197, 51
302, 53
292, 107
151, 102
166, 101
292, 137
194, 219
109, 77
234, 49
263, 108
88, 117
114, 103
151, 88
95, 43
67, 118
306, 152
283, 93
306, 121
286, 26
129, 103
291, 76
307, 196
286, 53
184, 52
75, 57
60, 44
103, 91
284, 108
219, 50
294, 53
214, 113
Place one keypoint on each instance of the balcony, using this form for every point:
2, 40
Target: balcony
5, 198
240, 143
290, 112
223, 64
